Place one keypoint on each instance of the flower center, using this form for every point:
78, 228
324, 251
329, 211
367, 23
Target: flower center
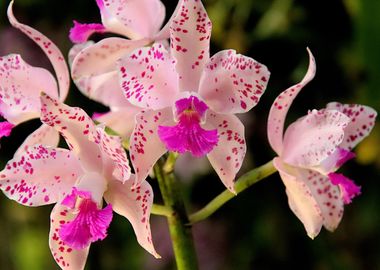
188, 135
90, 223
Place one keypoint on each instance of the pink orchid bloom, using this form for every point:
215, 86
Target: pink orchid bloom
77, 180
134, 19
21, 85
94, 68
190, 99
311, 150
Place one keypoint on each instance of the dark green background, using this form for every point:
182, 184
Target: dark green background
256, 230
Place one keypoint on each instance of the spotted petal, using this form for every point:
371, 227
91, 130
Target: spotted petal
281, 105
50, 49
362, 121
227, 157
190, 32
21, 85
233, 83
94, 69
132, 18
301, 200
326, 195
148, 77
80, 32
135, 205
121, 120
40, 175
44, 135
314, 137
66, 257
76, 49
112, 148
165, 30
145, 145
76, 127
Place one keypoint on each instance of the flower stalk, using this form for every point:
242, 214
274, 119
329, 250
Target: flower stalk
180, 230
241, 184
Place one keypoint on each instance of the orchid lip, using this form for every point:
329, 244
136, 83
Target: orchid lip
89, 224
188, 135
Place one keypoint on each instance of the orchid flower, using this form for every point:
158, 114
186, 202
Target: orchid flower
190, 99
77, 180
94, 68
311, 150
21, 85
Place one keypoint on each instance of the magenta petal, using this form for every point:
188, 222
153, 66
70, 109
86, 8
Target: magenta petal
80, 32
89, 225
97, 115
188, 136
70, 200
344, 156
348, 188
191, 103
100, 4
5, 129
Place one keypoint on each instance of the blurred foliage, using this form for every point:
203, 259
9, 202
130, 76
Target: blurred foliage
256, 230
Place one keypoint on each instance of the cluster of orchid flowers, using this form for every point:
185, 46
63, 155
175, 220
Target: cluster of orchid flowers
165, 93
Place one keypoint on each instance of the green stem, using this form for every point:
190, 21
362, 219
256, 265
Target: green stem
241, 184
180, 231
170, 162
160, 210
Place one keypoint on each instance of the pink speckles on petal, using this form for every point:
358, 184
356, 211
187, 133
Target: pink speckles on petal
348, 188
148, 77
133, 19
135, 204
76, 127
50, 49
362, 121
314, 137
89, 225
20, 89
233, 83
65, 256
227, 157
80, 32
281, 105
145, 145
40, 175
5, 129
112, 148
95, 70
301, 200
190, 32
44, 135
325, 194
